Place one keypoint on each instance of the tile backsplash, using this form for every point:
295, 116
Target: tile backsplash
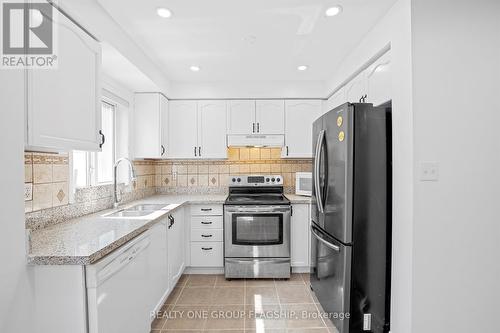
48, 177
191, 176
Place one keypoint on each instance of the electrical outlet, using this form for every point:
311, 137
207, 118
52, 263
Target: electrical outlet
174, 176
28, 191
429, 171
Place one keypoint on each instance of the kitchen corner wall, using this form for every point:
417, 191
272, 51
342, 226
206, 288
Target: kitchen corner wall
191, 176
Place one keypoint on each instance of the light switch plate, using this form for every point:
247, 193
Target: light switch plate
28, 191
429, 171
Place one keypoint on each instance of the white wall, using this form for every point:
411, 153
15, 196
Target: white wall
16, 279
456, 66
244, 89
394, 30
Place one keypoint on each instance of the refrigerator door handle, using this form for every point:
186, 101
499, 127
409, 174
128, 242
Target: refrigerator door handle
328, 244
319, 194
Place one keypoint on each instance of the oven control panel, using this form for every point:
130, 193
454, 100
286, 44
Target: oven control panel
255, 180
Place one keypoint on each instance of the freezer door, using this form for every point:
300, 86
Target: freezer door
330, 277
338, 165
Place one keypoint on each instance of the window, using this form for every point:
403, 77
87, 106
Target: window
96, 168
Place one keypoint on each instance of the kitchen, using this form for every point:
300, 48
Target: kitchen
183, 161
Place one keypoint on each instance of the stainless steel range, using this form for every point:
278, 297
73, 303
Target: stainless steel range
256, 228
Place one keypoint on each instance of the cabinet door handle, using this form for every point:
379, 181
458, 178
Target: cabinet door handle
199, 151
103, 138
162, 150
253, 127
206, 209
258, 127
203, 222
206, 236
195, 151
286, 150
207, 248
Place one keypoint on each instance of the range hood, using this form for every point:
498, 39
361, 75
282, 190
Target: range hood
272, 141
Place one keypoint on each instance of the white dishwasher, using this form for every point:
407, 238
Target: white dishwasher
116, 295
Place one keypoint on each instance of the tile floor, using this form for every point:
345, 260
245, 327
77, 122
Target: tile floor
210, 303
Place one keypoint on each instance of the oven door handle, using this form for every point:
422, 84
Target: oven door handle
327, 244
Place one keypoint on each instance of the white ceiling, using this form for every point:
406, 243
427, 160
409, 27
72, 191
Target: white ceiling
213, 34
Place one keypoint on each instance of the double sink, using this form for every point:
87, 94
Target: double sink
138, 210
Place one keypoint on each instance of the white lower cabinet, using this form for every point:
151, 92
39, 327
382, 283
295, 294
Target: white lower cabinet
300, 235
206, 254
159, 285
175, 246
207, 238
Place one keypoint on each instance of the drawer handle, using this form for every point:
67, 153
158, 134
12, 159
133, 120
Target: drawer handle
206, 248
206, 209
206, 236
203, 222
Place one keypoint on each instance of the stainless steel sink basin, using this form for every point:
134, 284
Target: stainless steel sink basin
147, 207
130, 213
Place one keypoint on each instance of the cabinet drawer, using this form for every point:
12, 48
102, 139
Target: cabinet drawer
206, 235
206, 254
206, 209
206, 222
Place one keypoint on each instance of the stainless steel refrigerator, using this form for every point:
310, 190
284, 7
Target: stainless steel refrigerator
351, 216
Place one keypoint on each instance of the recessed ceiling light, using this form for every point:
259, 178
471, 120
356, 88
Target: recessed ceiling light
302, 67
332, 11
163, 12
194, 68
250, 39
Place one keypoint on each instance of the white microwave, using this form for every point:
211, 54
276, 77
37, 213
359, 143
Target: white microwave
303, 183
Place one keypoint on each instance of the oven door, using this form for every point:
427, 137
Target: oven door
257, 231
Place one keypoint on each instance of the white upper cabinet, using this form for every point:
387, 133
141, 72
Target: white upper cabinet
64, 104
183, 131
241, 117
212, 129
299, 117
197, 129
356, 89
150, 124
378, 80
270, 116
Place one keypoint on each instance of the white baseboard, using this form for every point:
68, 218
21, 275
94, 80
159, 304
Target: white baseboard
204, 270
220, 270
301, 269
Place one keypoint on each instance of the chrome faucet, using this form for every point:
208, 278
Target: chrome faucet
132, 178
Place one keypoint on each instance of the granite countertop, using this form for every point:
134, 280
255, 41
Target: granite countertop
298, 199
84, 240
